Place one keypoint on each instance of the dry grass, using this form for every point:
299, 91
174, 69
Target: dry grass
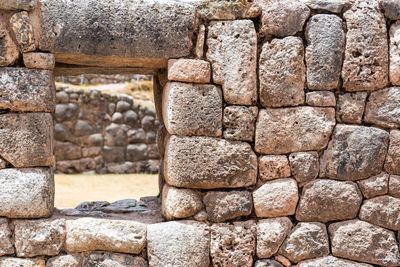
74, 189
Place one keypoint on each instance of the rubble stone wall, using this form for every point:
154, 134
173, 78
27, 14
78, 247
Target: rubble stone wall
280, 137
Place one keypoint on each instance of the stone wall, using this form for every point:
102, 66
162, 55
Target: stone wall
279, 144
103, 133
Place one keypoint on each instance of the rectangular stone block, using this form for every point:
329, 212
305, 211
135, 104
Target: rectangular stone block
26, 193
26, 139
239, 123
24, 89
18, 4
6, 243
17, 262
189, 70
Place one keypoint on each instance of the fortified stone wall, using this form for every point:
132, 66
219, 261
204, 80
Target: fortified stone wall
103, 133
280, 142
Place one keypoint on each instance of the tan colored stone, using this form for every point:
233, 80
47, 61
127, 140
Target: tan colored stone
232, 51
239, 123
190, 109
18, 4
233, 244
276, 198
178, 244
195, 162
189, 70
223, 206
285, 130
270, 235
224, 10
328, 200
23, 31
282, 72
201, 37
26, 193
361, 241
45, 61
283, 260
106, 259
330, 261
267, 263
180, 203
366, 62
350, 107
394, 186
304, 166
394, 67
64, 261
392, 163
6, 243
39, 237
88, 234
26, 139
273, 166
383, 108
334, 6
9, 51
17, 262
374, 186
321, 99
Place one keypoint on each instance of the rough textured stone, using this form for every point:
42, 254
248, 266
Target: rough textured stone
282, 72
26, 193
394, 67
270, 235
383, 108
67, 151
106, 259
23, 31
45, 61
233, 244
27, 90
239, 123
321, 99
39, 237
8, 49
18, 4
64, 261
66, 112
306, 241
324, 53
267, 263
281, 131
195, 162
354, 153
328, 200
273, 166
365, 65
334, 6
374, 186
383, 211
180, 244
82, 128
330, 261
365, 242
276, 198
232, 51
201, 37
180, 203
6, 243
192, 109
88, 234
350, 107
223, 206
237, 9
115, 135
391, 9
304, 166
141, 34
16, 262
189, 70
123, 106
283, 18
394, 186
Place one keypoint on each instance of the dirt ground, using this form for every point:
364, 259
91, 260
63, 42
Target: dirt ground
74, 189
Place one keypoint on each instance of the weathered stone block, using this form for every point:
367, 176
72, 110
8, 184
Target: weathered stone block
391, 9
67, 151
394, 67
26, 193
106, 259
192, 109
239, 123
23, 31
17, 262
27, 90
282, 72
334, 6
329, 200
116, 135
306, 241
6, 243
65, 261
136, 152
267, 263
304, 166
374, 186
122, 106
82, 128
283, 18
233, 244
18, 4
180, 203
330, 261
270, 235
273, 166
285, 130
364, 242
195, 162
350, 107
366, 62
180, 244
354, 153
324, 53
232, 51
88, 234
276, 198
383, 211
394, 186
383, 108
223, 206
189, 70
321, 99
221, 10
9, 52
45, 61
66, 112
39, 237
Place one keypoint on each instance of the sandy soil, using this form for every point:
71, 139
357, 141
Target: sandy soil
74, 189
